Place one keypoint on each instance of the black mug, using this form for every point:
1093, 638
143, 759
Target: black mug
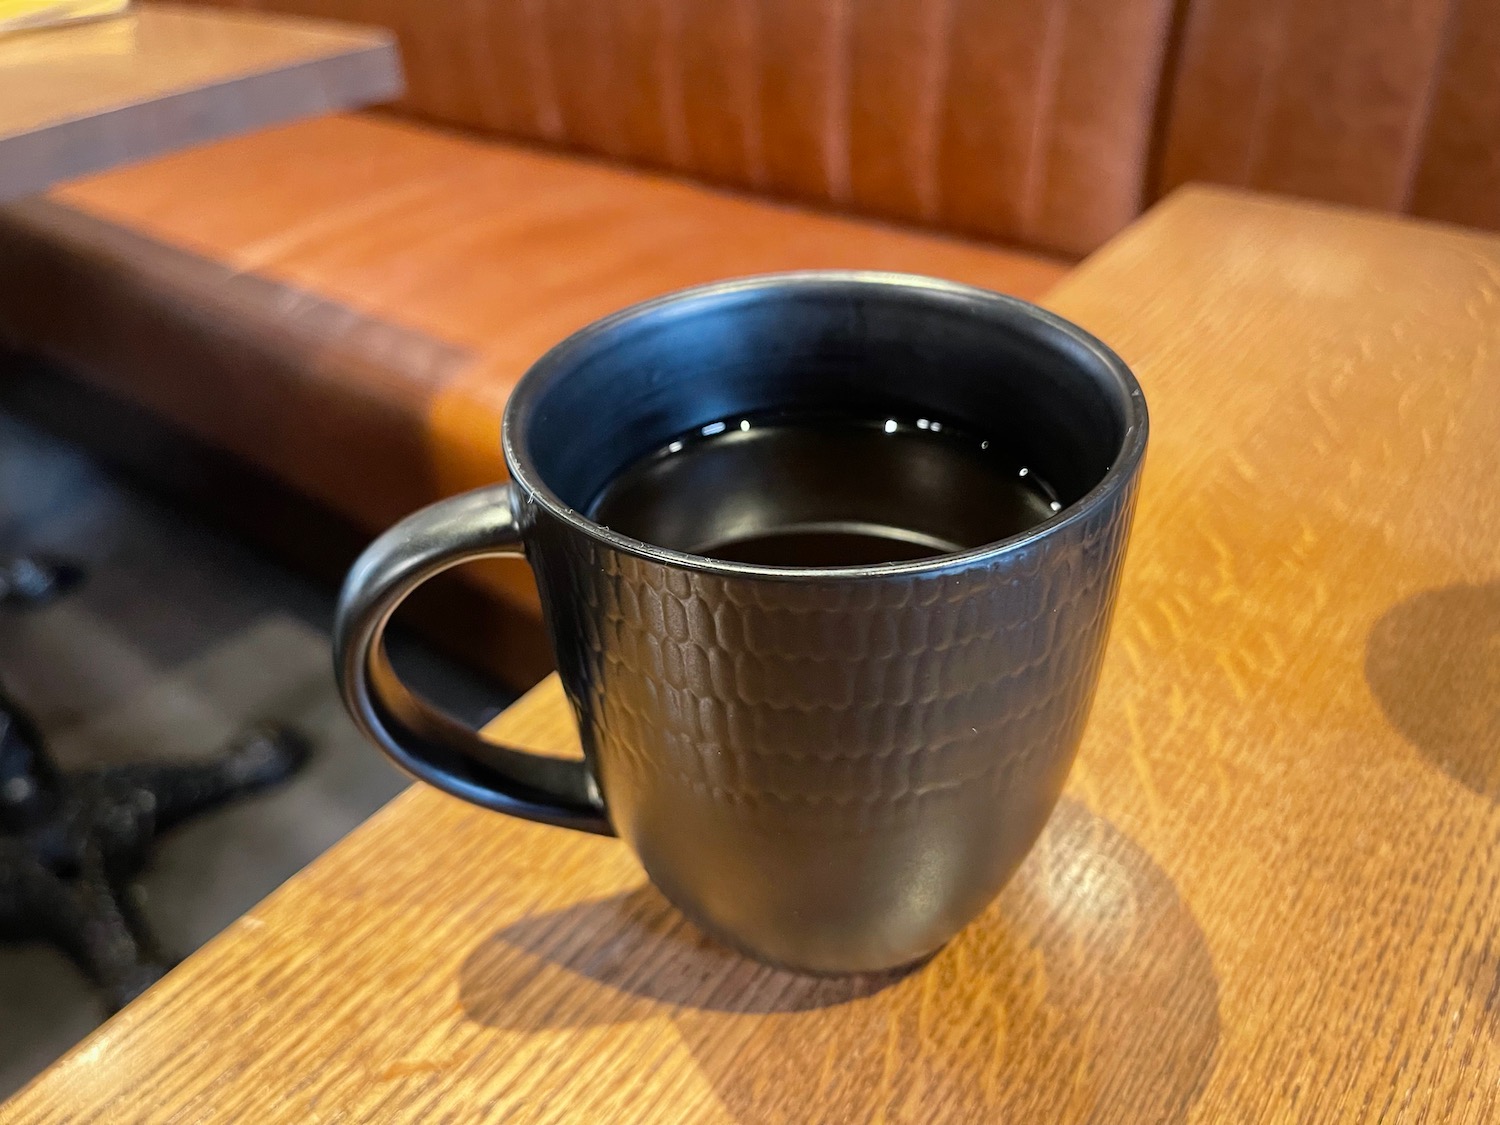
831, 769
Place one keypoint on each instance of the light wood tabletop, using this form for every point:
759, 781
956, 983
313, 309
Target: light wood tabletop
1271, 893
84, 97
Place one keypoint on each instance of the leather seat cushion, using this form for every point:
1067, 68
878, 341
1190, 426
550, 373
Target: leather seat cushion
347, 302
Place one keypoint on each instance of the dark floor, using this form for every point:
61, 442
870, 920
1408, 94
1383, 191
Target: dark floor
179, 637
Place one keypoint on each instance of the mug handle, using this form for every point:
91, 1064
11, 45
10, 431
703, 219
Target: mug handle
423, 741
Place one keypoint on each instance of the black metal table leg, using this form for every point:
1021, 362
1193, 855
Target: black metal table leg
72, 842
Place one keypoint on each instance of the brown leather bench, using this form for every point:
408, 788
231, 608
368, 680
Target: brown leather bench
346, 303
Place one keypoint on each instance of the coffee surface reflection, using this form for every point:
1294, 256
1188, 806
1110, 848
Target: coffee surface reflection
814, 490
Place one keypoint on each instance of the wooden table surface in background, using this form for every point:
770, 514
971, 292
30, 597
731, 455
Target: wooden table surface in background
1271, 893
88, 96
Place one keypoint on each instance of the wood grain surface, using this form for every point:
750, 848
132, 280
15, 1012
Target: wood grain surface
1269, 895
81, 98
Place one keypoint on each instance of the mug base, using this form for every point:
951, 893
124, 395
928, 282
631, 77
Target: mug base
892, 972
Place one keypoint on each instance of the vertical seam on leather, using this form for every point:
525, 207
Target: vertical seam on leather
752, 24
929, 172
1261, 113
480, 57
549, 117
669, 80
1416, 141
421, 42
1164, 102
1048, 75
837, 129
614, 139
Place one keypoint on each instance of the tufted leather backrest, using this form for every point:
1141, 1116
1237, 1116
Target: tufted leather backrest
1027, 121
1392, 105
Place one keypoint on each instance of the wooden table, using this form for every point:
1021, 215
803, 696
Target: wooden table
84, 97
1271, 894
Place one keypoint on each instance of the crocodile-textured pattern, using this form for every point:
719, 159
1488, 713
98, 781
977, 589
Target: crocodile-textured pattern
833, 772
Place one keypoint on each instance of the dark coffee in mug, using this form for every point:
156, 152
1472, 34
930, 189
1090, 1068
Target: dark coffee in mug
827, 562
826, 489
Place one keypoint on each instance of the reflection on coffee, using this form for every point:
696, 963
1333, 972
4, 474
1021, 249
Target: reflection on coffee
820, 490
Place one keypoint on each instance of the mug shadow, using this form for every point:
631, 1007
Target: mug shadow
1085, 993
646, 954
1433, 664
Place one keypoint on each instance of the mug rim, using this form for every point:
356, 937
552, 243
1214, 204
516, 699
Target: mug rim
557, 360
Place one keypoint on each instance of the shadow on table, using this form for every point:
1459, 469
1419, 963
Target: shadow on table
1086, 993
1433, 664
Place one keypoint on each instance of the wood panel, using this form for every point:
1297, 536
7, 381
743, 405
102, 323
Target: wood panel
1269, 894
80, 98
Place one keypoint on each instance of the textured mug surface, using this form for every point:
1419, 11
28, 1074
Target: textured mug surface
832, 769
